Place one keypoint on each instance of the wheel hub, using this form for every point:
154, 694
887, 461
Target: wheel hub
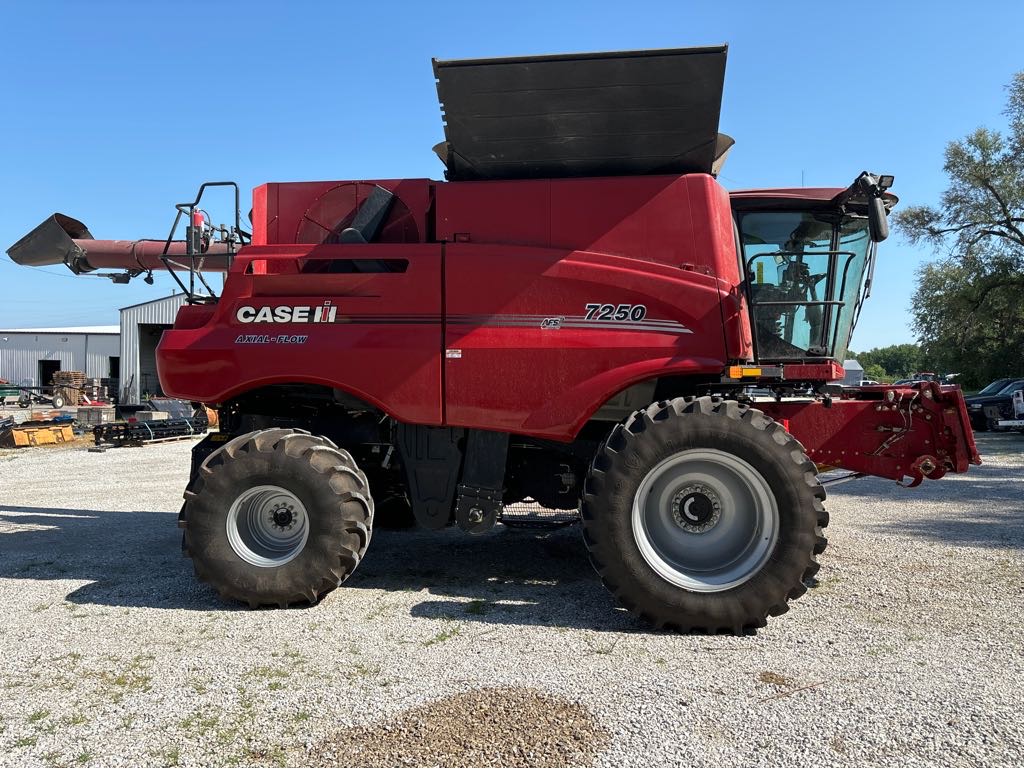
283, 517
705, 520
696, 508
267, 526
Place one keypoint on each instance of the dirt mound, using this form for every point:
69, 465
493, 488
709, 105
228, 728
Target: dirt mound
507, 726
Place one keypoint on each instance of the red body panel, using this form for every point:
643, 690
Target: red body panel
304, 212
681, 221
377, 356
514, 374
510, 255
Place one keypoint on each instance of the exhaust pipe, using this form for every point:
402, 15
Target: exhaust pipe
63, 240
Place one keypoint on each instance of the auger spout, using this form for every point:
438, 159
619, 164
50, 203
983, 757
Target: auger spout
63, 240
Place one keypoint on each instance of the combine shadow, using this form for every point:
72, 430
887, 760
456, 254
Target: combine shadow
505, 577
130, 558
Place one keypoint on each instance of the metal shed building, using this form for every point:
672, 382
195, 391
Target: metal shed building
30, 356
854, 373
142, 325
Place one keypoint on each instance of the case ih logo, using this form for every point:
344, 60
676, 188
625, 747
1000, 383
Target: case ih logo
286, 313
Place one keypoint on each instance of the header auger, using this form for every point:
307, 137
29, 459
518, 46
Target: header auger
576, 317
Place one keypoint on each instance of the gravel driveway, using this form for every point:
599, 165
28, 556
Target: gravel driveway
502, 648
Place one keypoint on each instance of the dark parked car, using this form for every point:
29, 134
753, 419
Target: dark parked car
988, 407
993, 387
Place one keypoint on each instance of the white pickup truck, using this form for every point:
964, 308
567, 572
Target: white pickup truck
1018, 413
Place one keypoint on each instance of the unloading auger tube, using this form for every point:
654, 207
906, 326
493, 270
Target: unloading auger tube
63, 240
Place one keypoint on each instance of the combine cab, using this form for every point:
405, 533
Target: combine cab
576, 317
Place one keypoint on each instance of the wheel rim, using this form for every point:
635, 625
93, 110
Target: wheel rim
267, 526
705, 520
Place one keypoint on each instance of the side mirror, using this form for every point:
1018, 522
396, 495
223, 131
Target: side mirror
878, 224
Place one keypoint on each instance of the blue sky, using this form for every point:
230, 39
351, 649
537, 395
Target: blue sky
112, 112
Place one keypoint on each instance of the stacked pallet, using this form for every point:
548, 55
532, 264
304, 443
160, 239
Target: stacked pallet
97, 390
75, 387
69, 385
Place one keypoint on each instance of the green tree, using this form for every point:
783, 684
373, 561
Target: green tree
968, 309
876, 372
896, 360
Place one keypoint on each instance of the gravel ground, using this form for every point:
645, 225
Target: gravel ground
909, 651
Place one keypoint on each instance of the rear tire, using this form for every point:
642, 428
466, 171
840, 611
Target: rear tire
277, 517
753, 515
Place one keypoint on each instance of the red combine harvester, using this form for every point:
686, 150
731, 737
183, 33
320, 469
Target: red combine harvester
576, 316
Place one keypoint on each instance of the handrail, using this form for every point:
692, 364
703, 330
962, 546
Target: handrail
191, 242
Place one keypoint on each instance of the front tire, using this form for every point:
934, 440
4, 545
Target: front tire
703, 514
277, 517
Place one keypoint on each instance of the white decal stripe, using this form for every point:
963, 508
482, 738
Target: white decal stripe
677, 329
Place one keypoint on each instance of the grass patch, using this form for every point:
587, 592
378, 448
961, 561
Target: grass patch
775, 679
828, 583
444, 635
83, 758
199, 723
26, 742
879, 651
275, 756
601, 648
227, 735
38, 715
290, 654
275, 686
128, 681
361, 670
77, 719
301, 716
268, 673
171, 757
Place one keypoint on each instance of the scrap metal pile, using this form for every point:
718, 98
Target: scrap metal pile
40, 430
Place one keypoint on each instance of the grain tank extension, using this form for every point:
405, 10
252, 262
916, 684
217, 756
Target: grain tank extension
576, 316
